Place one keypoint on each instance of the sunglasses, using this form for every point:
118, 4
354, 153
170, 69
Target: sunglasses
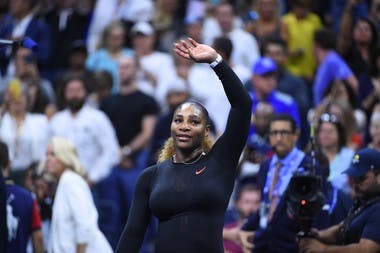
327, 117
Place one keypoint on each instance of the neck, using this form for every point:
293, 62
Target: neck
261, 96
74, 112
184, 157
330, 152
363, 50
114, 52
127, 88
322, 55
143, 52
18, 116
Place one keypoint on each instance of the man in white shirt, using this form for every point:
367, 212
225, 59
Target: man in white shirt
89, 129
245, 48
155, 68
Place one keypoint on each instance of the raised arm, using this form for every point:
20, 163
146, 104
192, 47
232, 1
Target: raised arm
238, 122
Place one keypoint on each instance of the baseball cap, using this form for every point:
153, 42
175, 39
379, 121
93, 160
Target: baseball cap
143, 28
363, 161
264, 66
177, 84
192, 19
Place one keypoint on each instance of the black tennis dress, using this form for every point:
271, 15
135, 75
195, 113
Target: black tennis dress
190, 199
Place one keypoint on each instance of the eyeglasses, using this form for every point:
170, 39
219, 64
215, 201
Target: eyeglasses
282, 133
327, 117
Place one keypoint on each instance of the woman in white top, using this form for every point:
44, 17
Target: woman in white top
332, 140
26, 134
74, 227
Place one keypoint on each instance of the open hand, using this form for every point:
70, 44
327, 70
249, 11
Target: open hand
195, 51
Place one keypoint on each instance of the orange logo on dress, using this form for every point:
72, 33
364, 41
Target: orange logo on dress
197, 172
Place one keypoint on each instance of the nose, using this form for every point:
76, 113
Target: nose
184, 126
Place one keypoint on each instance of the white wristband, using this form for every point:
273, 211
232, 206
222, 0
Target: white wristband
217, 61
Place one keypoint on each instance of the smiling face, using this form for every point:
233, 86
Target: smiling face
189, 127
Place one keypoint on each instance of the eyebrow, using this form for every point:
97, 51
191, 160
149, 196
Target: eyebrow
190, 116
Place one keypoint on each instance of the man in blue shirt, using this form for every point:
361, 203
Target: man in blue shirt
360, 230
331, 67
294, 86
264, 83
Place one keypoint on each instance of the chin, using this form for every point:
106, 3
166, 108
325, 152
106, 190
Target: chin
185, 146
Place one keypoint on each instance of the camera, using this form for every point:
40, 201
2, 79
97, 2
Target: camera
304, 199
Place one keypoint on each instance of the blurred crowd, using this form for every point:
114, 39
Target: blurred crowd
105, 79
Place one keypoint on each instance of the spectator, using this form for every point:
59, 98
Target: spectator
265, 23
332, 139
331, 66
369, 88
74, 218
257, 143
102, 88
264, 83
193, 27
111, 50
242, 41
337, 11
67, 25
42, 96
89, 128
297, 29
132, 113
151, 62
167, 21
357, 40
374, 130
23, 217
246, 202
288, 83
354, 121
374, 14
107, 11
25, 133
76, 59
22, 22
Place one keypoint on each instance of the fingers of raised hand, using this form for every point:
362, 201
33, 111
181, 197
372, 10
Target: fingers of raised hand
181, 50
193, 42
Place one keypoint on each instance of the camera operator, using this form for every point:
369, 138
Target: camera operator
271, 230
359, 232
